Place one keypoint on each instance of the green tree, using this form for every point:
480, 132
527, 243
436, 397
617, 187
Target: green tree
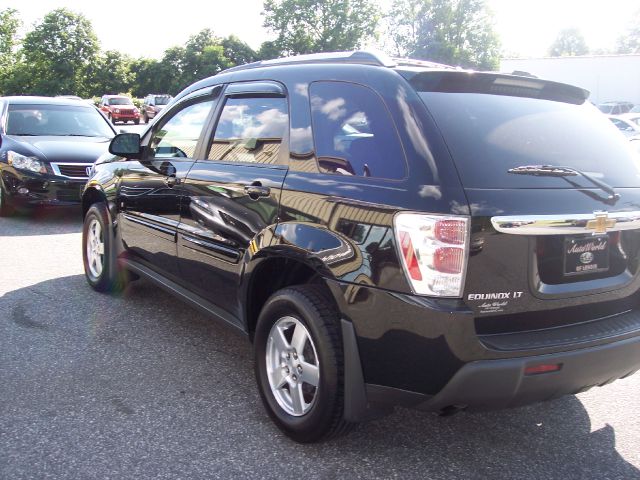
110, 73
269, 50
457, 32
237, 51
58, 53
203, 57
9, 25
148, 77
403, 23
307, 26
629, 42
568, 43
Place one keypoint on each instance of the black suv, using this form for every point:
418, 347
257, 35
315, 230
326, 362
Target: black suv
385, 233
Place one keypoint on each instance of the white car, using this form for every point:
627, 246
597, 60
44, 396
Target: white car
628, 124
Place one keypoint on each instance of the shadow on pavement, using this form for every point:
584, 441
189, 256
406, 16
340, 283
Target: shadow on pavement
170, 391
42, 221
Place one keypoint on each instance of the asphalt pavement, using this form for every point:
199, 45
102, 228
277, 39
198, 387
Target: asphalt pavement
140, 386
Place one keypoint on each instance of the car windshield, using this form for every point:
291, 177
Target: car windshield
162, 99
56, 120
605, 108
492, 129
120, 101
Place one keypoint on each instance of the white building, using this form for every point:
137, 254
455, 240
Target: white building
607, 77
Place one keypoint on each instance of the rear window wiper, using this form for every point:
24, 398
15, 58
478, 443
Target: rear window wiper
560, 171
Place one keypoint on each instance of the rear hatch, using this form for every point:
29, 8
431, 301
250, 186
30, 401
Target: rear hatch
549, 246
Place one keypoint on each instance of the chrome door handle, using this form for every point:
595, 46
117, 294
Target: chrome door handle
257, 191
171, 181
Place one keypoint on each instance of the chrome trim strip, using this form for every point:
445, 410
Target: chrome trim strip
56, 169
564, 224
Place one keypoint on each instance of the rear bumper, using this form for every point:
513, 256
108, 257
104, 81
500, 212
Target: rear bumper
422, 353
494, 384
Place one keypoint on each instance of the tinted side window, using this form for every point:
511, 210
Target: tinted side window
354, 133
179, 136
250, 130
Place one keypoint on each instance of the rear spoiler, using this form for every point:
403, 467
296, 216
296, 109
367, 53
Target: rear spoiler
495, 84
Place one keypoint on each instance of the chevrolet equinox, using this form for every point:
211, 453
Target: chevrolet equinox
385, 232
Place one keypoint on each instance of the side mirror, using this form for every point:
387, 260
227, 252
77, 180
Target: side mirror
125, 145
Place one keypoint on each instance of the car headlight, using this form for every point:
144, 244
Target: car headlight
135, 110
25, 163
117, 110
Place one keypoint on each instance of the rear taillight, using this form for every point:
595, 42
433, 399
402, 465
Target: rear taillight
434, 251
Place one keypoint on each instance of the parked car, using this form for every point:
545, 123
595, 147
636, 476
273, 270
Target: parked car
47, 148
153, 104
626, 125
385, 233
615, 108
119, 108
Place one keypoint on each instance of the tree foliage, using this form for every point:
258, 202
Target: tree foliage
457, 32
629, 42
569, 43
308, 26
59, 52
9, 24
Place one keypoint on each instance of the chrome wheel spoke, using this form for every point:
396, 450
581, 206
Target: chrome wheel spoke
297, 399
278, 378
281, 343
299, 338
310, 374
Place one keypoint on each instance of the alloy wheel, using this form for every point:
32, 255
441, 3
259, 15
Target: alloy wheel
95, 248
293, 368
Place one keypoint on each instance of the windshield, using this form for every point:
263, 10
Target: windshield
120, 101
489, 134
606, 108
163, 99
56, 120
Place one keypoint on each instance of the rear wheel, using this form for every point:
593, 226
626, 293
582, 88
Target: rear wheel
145, 118
6, 209
137, 121
98, 253
299, 364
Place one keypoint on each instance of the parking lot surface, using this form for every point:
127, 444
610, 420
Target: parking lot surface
141, 386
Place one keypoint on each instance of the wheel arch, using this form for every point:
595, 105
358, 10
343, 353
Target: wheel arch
271, 271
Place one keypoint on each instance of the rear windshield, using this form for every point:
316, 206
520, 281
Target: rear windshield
162, 99
487, 134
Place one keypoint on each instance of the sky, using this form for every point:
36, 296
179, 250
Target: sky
146, 28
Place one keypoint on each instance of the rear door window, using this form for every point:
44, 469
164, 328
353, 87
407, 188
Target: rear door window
354, 133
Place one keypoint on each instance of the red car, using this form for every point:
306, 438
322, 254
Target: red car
119, 108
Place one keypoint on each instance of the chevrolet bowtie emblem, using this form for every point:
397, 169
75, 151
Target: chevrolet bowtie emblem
601, 223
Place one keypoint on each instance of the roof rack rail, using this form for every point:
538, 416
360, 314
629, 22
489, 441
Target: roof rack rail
361, 57
411, 62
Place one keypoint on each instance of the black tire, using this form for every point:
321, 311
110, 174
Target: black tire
6, 209
112, 278
137, 121
145, 118
311, 306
